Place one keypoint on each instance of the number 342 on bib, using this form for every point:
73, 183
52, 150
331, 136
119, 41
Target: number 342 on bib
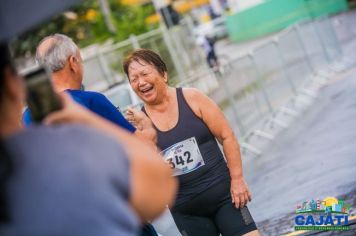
184, 157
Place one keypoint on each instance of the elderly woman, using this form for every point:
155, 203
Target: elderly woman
213, 194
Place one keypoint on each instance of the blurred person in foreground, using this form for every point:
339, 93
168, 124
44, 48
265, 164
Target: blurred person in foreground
83, 177
212, 194
62, 56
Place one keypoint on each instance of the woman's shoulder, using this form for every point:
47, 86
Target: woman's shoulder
195, 99
192, 93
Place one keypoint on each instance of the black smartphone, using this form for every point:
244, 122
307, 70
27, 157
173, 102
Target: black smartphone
41, 98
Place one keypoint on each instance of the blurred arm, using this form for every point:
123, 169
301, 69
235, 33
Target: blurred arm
152, 186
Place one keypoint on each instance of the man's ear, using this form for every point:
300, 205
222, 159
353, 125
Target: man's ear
165, 77
72, 61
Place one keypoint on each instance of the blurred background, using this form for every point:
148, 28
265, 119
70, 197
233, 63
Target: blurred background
285, 81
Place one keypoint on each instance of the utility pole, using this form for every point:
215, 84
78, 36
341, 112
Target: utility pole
105, 9
171, 44
159, 4
161, 8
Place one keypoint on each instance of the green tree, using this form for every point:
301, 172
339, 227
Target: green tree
85, 24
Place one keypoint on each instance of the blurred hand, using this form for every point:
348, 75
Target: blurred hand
143, 124
71, 112
137, 118
240, 194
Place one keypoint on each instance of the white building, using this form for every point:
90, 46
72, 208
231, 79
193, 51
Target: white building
235, 5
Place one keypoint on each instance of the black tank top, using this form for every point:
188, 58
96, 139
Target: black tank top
214, 169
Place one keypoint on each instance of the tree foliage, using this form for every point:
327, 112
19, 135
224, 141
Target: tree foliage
86, 25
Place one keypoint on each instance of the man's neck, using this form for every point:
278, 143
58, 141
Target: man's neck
63, 81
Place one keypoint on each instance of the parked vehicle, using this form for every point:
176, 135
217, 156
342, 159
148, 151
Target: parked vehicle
214, 29
122, 96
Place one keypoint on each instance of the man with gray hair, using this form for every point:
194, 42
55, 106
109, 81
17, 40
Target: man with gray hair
63, 58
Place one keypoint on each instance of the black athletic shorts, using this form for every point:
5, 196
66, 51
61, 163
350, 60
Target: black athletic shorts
212, 213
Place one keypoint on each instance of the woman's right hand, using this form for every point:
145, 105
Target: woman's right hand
143, 124
137, 118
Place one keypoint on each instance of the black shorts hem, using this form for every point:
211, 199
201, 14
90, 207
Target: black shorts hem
249, 228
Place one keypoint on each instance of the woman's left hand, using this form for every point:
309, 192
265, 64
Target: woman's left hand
240, 194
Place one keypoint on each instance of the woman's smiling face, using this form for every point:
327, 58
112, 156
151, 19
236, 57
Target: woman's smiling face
146, 81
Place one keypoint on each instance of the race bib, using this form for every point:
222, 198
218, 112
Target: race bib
184, 157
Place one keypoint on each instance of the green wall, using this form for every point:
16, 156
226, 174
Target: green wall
274, 15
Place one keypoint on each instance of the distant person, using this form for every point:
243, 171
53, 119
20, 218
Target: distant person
208, 45
212, 194
212, 13
80, 179
62, 56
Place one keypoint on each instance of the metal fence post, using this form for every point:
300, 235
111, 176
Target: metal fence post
134, 41
173, 54
283, 66
300, 40
230, 97
317, 32
259, 78
153, 45
248, 83
106, 71
336, 40
180, 43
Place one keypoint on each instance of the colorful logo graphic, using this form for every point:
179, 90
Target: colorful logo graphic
329, 214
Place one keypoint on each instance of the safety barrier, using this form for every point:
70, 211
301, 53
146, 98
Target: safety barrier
262, 92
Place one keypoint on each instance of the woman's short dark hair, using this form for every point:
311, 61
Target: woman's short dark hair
145, 55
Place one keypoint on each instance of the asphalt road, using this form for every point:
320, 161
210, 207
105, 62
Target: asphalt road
314, 158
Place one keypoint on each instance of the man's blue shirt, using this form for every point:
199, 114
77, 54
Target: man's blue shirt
97, 103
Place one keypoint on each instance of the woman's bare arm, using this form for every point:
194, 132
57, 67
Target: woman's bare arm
213, 117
